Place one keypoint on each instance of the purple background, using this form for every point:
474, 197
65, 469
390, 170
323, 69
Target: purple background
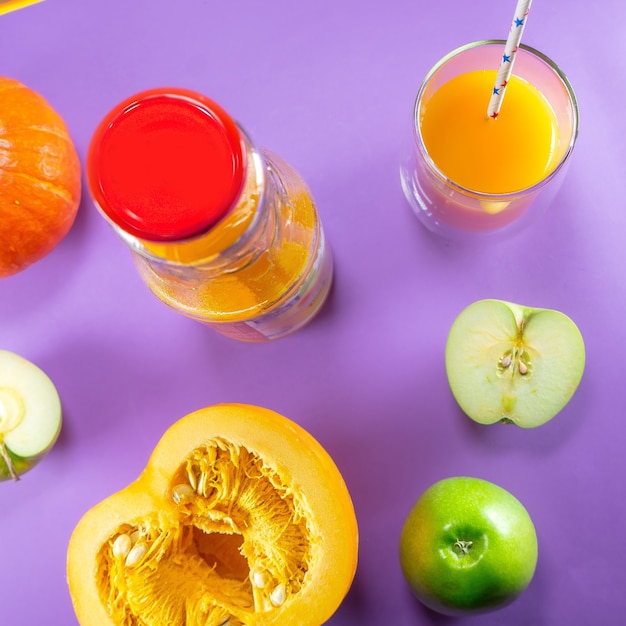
329, 85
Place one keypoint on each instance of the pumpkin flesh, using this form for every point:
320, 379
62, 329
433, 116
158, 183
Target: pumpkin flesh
252, 525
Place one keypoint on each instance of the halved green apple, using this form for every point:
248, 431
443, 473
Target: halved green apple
30, 415
511, 363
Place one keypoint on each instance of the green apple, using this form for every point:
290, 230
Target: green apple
514, 364
468, 546
30, 415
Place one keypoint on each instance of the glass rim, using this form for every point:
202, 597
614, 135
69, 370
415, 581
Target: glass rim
500, 197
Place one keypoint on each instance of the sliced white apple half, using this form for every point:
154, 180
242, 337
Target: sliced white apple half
514, 364
30, 415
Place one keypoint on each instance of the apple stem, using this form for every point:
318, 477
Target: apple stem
4, 453
463, 546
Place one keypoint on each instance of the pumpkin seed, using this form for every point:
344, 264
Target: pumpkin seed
122, 546
201, 484
137, 552
258, 579
278, 595
182, 492
191, 477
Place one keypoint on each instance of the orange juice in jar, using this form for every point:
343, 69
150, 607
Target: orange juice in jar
220, 231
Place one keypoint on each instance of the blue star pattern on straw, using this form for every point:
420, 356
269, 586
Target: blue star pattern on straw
508, 58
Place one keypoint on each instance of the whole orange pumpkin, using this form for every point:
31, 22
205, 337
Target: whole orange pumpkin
40, 177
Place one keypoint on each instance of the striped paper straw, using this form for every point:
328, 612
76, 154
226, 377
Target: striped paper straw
508, 58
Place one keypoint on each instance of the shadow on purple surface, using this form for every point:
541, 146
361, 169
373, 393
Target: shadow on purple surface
541, 441
33, 284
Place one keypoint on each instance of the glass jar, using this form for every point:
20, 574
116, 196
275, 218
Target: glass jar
220, 230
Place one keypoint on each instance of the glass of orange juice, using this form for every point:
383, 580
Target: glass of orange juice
466, 174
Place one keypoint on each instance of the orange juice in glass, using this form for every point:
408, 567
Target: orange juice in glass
465, 173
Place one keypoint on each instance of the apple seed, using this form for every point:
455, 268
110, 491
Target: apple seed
520, 357
506, 360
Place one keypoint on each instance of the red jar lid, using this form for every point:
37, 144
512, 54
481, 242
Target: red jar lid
166, 164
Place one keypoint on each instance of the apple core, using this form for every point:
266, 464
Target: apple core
30, 415
11, 411
513, 364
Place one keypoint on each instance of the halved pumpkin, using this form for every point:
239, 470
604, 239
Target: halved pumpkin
240, 517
